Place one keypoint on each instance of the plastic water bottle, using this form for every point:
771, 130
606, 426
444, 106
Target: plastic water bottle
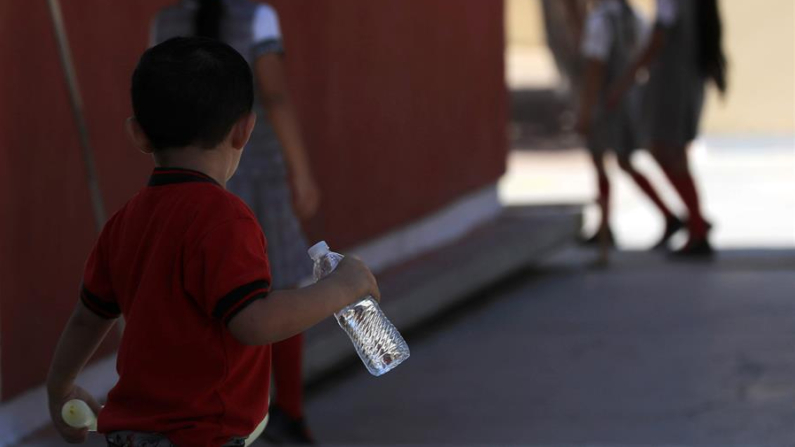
377, 341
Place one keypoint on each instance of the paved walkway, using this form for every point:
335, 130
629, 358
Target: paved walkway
644, 353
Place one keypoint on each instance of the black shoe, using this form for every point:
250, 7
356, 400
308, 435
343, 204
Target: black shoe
699, 249
672, 226
593, 241
283, 429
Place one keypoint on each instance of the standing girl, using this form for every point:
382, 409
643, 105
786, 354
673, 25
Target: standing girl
685, 52
612, 38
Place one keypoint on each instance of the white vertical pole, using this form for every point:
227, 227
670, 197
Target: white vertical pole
76, 102
77, 112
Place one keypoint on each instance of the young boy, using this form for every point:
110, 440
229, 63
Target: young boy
184, 261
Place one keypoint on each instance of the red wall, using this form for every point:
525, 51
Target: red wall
402, 103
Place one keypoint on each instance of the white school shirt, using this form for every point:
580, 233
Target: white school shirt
598, 34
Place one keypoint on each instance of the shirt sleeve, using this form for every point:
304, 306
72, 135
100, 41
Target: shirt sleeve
596, 39
228, 269
266, 33
96, 291
667, 12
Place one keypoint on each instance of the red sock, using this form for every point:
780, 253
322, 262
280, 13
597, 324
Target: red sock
604, 200
287, 360
686, 187
645, 185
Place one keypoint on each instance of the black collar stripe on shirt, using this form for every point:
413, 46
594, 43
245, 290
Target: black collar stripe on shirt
170, 176
232, 300
103, 308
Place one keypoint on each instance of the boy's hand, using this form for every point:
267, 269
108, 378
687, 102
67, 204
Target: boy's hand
57, 399
355, 277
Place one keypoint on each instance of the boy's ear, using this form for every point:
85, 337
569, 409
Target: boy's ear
241, 132
138, 136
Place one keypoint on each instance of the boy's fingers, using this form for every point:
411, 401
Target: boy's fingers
376, 291
89, 399
69, 434
85, 396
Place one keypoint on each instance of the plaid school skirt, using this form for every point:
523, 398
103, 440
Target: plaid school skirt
270, 199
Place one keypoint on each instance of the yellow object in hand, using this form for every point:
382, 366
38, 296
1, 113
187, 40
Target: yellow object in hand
77, 414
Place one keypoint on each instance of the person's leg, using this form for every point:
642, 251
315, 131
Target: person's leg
674, 163
287, 366
645, 185
603, 186
604, 235
672, 223
286, 413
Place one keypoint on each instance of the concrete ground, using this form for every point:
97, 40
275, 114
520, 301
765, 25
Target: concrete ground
646, 352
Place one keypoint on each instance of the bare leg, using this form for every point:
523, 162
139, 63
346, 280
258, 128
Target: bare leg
645, 185
676, 167
604, 233
672, 223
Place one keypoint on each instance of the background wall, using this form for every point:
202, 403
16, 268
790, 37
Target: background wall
402, 101
760, 45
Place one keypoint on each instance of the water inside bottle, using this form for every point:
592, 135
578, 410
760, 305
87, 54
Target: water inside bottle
377, 341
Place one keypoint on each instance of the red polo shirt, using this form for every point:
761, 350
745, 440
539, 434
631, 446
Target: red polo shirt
179, 260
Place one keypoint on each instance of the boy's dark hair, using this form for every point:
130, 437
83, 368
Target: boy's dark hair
190, 91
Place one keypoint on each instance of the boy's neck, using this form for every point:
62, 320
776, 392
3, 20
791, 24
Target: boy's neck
211, 162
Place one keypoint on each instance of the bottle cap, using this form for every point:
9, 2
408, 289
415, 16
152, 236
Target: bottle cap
318, 250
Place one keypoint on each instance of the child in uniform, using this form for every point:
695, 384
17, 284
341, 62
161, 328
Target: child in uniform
185, 262
613, 33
